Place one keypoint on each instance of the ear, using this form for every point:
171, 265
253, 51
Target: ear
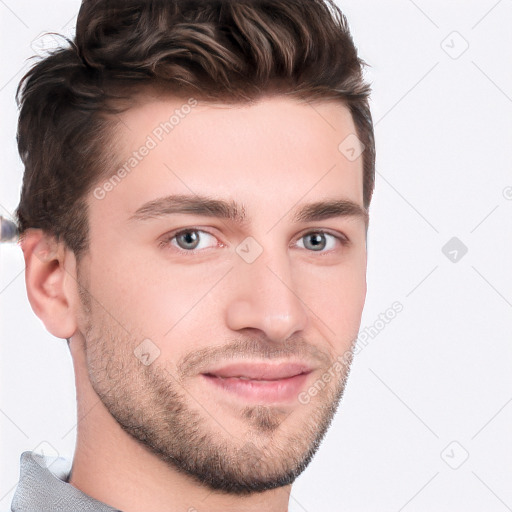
50, 277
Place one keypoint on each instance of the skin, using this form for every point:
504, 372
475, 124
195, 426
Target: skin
139, 424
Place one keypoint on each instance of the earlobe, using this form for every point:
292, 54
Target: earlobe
46, 278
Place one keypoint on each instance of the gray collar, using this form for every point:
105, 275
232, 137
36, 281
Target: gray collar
43, 487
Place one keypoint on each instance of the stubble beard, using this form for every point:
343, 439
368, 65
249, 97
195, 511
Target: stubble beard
153, 406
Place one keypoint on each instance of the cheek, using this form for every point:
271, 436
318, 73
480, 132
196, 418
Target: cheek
336, 296
169, 304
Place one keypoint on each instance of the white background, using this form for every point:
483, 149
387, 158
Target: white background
441, 370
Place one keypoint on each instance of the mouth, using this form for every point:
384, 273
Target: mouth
260, 382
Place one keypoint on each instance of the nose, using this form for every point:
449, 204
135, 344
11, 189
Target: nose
265, 298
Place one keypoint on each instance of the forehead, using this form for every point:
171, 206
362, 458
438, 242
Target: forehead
274, 153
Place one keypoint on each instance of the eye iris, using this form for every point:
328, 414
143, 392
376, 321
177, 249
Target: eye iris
319, 238
189, 237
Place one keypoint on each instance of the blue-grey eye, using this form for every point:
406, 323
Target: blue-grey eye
191, 239
317, 241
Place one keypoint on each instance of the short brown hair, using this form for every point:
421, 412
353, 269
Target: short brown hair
232, 51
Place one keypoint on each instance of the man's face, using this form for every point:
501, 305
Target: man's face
202, 332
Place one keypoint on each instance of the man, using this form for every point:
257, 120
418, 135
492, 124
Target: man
193, 219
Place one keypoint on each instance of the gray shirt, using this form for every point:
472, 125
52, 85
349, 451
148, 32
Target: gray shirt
43, 487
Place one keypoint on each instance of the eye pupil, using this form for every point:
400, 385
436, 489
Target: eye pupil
318, 243
189, 237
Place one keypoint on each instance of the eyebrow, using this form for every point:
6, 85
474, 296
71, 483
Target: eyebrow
234, 212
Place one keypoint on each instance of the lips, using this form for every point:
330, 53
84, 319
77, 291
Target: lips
260, 371
260, 382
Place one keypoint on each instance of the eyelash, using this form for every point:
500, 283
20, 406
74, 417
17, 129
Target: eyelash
342, 239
